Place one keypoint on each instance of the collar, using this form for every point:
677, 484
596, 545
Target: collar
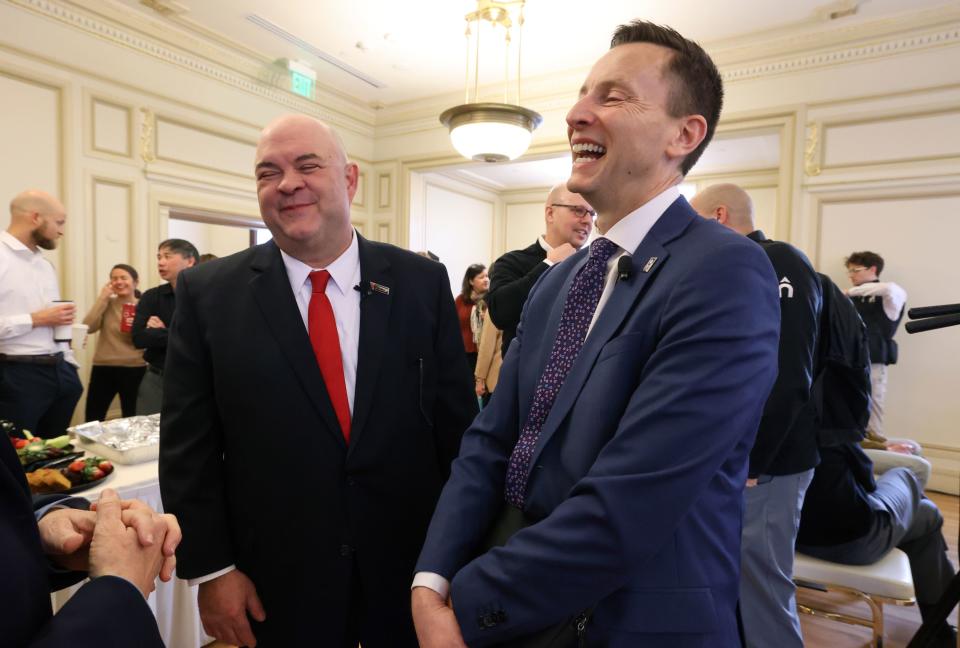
543, 243
344, 271
15, 244
630, 230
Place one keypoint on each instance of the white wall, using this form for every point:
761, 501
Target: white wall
457, 225
221, 240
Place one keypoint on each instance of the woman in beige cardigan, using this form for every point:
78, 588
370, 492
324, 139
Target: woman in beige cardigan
488, 358
118, 366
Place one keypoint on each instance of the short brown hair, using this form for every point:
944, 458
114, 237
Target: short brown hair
866, 259
697, 88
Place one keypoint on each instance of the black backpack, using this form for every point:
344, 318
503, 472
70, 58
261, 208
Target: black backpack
841, 386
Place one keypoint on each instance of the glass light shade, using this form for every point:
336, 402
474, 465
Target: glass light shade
490, 141
490, 132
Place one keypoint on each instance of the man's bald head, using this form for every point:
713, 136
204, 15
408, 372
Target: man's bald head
301, 126
728, 204
305, 187
37, 219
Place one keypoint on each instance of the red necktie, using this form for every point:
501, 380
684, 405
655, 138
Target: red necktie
326, 346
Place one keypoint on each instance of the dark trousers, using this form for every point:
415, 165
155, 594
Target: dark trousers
105, 383
39, 398
905, 519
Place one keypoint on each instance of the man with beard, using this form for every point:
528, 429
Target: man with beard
39, 386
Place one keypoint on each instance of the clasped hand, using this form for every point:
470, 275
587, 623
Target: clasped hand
124, 538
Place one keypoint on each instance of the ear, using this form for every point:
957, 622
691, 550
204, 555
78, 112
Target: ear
690, 132
548, 214
722, 214
352, 172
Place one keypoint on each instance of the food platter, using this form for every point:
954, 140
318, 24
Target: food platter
82, 474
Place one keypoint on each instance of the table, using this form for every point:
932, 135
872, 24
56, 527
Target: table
174, 603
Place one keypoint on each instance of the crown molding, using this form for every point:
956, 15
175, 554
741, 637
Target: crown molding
900, 44
202, 58
815, 35
181, 42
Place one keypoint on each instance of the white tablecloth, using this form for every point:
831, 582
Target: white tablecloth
173, 603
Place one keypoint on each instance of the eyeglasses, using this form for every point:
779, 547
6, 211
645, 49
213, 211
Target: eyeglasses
853, 271
577, 209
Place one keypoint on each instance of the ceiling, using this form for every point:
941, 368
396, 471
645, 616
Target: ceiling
386, 53
416, 49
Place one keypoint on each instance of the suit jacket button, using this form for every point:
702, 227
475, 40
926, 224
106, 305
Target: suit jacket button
351, 481
346, 550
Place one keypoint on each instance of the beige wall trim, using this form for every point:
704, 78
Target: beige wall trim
871, 192
62, 89
198, 215
208, 185
119, 35
131, 188
945, 477
845, 55
161, 119
889, 116
91, 100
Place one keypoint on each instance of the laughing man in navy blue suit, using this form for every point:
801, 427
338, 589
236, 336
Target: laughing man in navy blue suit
633, 497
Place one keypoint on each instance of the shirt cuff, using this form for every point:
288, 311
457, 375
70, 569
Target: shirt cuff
436, 582
193, 582
61, 504
17, 325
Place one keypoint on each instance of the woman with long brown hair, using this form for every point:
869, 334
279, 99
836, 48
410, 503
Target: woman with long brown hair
118, 366
474, 287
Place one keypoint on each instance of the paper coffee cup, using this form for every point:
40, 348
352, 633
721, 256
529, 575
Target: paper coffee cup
64, 332
79, 336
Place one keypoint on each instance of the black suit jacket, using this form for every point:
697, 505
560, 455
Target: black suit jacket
511, 278
105, 612
252, 459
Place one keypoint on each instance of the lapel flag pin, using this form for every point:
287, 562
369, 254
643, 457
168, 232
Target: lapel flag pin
378, 288
649, 264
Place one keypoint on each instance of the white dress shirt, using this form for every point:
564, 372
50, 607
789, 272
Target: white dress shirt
344, 275
627, 234
28, 284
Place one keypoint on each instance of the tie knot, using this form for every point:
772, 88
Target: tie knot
318, 280
602, 249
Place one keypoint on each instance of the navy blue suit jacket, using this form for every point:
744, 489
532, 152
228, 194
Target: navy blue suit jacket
638, 473
106, 611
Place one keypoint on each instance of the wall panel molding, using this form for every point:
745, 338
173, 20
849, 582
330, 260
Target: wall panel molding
93, 102
121, 35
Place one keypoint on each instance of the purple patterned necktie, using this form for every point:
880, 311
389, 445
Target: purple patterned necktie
578, 311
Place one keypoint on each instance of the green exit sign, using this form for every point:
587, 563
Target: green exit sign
301, 84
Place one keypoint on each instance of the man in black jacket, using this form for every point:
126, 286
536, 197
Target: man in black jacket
569, 221
784, 453
154, 315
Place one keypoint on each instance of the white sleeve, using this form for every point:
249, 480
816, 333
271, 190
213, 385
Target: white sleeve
209, 577
436, 582
15, 325
894, 297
